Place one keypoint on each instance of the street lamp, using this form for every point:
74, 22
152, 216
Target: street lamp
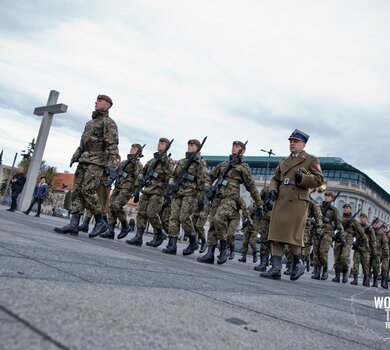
269, 159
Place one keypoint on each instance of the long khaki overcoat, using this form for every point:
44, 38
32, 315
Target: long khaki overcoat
289, 214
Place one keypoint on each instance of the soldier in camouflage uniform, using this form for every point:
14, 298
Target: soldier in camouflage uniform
265, 246
98, 151
155, 190
251, 228
342, 247
322, 240
165, 214
225, 204
199, 218
384, 255
185, 196
127, 174
361, 254
313, 227
233, 226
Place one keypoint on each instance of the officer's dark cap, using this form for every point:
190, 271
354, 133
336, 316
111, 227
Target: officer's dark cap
299, 135
239, 143
194, 142
164, 139
105, 98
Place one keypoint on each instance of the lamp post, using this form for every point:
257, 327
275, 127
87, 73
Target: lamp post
270, 153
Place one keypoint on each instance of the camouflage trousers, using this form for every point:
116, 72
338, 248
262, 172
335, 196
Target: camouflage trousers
308, 243
265, 247
221, 214
118, 200
148, 210
199, 218
321, 246
361, 256
250, 237
232, 229
181, 211
375, 265
384, 267
103, 194
165, 214
86, 180
342, 254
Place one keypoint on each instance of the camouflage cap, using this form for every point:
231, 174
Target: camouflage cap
330, 194
363, 215
138, 146
164, 139
299, 135
194, 142
105, 98
375, 221
240, 143
347, 205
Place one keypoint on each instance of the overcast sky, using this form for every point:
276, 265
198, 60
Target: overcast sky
248, 70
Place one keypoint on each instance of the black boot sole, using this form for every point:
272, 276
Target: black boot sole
205, 261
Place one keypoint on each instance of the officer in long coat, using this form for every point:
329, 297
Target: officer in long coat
289, 195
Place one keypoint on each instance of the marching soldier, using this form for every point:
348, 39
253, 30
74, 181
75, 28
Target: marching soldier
126, 176
342, 247
289, 190
154, 179
225, 198
188, 191
361, 254
98, 151
233, 226
251, 228
384, 255
322, 239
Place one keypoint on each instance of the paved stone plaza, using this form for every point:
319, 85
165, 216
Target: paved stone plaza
64, 292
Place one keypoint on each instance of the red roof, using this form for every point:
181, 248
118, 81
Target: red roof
63, 182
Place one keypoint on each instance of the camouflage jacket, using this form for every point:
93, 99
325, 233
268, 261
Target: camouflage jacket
371, 243
382, 243
163, 172
331, 218
314, 215
353, 228
239, 174
263, 196
195, 181
131, 171
99, 141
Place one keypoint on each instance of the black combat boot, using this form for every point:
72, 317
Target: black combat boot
171, 247
355, 279
208, 258
243, 258
324, 275
223, 252
298, 268
193, 246
255, 257
275, 271
137, 239
375, 281
317, 272
385, 283
336, 277
72, 227
366, 280
100, 226
288, 269
203, 246
150, 243
345, 277
85, 225
231, 254
110, 234
160, 238
263, 263
124, 230
105, 218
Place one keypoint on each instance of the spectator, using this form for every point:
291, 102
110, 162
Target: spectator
40, 193
17, 184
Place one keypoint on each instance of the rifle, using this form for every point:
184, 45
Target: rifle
184, 175
215, 189
348, 223
324, 218
116, 175
151, 174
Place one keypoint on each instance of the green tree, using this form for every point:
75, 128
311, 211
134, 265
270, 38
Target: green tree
26, 156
